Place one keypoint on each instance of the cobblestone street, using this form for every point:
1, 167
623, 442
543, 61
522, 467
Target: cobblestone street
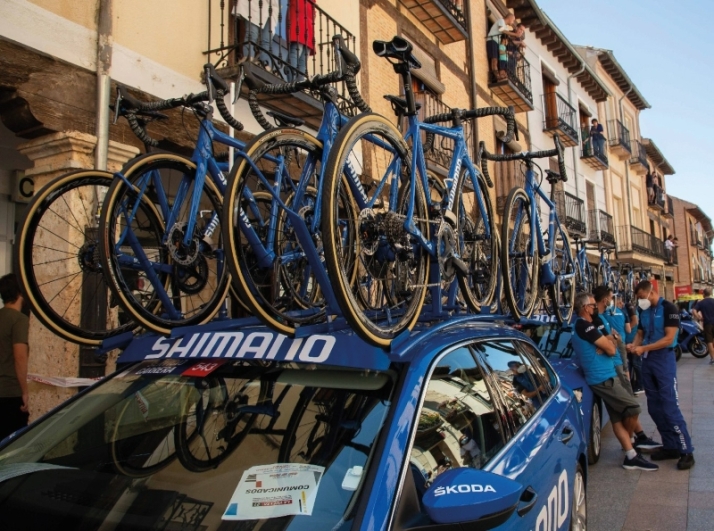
669, 499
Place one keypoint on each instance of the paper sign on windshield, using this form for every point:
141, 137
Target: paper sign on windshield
270, 491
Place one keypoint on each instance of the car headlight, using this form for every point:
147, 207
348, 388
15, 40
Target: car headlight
578, 394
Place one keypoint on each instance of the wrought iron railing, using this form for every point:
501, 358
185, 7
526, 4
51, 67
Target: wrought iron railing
455, 9
559, 114
670, 206
631, 238
639, 155
507, 175
619, 135
443, 149
286, 39
571, 212
518, 71
587, 147
602, 228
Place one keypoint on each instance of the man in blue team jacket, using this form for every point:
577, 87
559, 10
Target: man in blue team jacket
655, 342
595, 352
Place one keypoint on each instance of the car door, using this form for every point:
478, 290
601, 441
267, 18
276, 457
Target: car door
542, 441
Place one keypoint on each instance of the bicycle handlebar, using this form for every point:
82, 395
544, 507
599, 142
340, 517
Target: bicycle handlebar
525, 155
456, 115
348, 66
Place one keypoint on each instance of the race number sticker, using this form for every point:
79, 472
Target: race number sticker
203, 369
270, 491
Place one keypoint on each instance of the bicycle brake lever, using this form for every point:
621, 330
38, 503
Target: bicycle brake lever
209, 86
239, 86
117, 105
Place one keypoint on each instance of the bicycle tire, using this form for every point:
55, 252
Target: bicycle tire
269, 291
133, 463
68, 203
562, 292
390, 287
480, 253
207, 434
520, 265
192, 281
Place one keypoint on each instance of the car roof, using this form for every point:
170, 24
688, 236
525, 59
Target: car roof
340, 347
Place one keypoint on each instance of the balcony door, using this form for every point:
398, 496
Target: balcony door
550, 103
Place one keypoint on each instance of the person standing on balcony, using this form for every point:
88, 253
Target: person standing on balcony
301, 36
655, 342
598, 138
669, 248
503, 26
14, 353
704, 311
260, 20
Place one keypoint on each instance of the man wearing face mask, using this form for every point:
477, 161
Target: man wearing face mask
595, 351
655, 342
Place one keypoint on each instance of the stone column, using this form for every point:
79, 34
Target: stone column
54, 155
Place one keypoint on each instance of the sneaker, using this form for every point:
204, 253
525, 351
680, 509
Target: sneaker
685, 462
711, 362
639, 463
645, 443
638, 392
664, 453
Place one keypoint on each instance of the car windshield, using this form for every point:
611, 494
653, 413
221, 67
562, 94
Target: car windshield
208, 446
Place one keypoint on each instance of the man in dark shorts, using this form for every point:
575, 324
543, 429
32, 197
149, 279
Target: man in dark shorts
655, 342
595, 352
704, 310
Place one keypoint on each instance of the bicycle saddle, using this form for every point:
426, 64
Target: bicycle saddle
400, 104
399, 49
285, 120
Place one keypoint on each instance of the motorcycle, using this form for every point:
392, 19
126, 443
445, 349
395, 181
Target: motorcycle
691, 337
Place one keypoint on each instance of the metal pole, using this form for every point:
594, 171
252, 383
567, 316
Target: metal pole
104, 63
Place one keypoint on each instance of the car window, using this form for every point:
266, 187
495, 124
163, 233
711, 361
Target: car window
539, 368
458, 424
519, 390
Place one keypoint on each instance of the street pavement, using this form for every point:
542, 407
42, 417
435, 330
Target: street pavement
668, 499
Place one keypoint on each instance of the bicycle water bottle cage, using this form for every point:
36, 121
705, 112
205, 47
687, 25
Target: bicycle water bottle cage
399, 105
398, 49
285, 120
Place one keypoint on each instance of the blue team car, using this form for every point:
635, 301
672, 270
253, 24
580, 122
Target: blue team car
463, 423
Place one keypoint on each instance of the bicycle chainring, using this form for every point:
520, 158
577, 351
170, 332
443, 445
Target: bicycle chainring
193, 278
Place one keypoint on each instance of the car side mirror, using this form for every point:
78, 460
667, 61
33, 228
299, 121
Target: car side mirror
467, 495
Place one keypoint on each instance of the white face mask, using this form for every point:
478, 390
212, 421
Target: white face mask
521, 369
611, 305
644, 304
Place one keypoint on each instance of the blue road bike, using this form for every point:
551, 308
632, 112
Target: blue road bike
161, 222
408, 242
530, 260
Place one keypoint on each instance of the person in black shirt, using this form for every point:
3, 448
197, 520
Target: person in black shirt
704, 310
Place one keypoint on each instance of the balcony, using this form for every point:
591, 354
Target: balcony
559, 117
294, 48
444, 18
633, 240
571, 212
515, 88
602, 229
670, 258
443, 150
658, 203
596, 160
669, 209
638, 160
619, 139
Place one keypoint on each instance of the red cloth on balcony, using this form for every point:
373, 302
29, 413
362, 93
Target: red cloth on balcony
301, 23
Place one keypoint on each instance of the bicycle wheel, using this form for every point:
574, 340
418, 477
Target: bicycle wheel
142, 441
562, 291
477, 247
519, 256
57, 260
370, 163
182, 284
280, 287
212, 425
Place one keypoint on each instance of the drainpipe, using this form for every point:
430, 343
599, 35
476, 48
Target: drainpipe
576, 159
104, 63
472, 67
627, 165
